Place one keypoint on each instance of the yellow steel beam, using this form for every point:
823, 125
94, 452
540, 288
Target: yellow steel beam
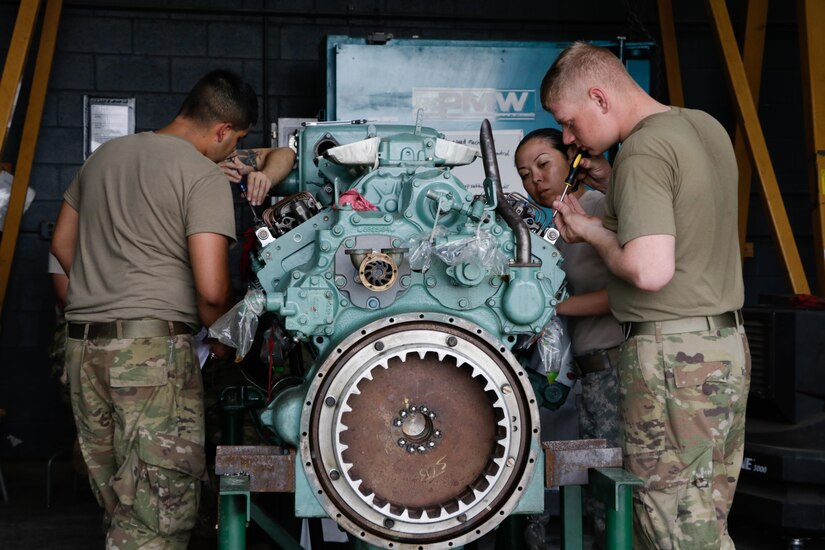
752, 49
31, 128
746, 109
811, 15
15, 61
667, 29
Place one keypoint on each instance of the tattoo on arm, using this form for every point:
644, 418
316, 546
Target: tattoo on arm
248, 157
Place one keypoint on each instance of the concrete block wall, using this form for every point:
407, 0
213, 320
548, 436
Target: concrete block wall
154, 50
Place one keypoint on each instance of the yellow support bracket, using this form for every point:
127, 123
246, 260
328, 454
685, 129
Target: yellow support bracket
746, 110
21, 39
811, 15
753, 48
31, 128
667, 30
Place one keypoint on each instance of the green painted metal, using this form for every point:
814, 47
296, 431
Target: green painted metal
532, 498
233, 512
571, 513
306, 504
614, 487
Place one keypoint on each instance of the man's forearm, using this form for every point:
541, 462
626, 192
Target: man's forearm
277, 164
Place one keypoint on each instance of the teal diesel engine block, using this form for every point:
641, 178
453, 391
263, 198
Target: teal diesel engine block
415, 422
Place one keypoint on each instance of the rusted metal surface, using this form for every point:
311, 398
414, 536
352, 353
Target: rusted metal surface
415, 475
270, 469
567, 462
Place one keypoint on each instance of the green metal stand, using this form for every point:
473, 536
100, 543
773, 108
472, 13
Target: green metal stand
614, 487
233, 512
236, 508
571, 516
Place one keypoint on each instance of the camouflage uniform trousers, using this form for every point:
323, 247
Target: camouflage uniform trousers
138, 406
682, 403
598, 410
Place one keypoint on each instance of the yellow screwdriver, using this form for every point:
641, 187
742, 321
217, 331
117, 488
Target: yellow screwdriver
570, 180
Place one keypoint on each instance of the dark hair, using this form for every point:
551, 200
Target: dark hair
550, 135
221, 96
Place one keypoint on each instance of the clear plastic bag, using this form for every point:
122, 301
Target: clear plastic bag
421, 248
481, 248
236, 328
554, 349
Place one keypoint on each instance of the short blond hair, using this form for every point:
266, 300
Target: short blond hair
579, 67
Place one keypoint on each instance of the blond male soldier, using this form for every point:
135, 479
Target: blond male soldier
669, 238
144, 232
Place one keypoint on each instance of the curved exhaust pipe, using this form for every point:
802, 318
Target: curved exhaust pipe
524, 253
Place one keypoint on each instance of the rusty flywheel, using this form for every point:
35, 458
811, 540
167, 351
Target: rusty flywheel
421, 434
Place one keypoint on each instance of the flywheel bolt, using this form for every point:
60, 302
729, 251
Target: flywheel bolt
330, 401
388, 523
403, 413
452, 341
411, 449
397, 422
421, 449
379, 346
402, 442
334, 475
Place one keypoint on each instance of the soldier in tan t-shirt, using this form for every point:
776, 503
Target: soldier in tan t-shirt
144, 234
669, 238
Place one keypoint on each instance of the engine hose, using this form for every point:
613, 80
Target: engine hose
524, 253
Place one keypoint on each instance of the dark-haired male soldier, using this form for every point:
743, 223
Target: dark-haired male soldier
144, 232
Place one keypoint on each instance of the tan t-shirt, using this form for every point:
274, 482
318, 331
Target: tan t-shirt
138, 198
676, 175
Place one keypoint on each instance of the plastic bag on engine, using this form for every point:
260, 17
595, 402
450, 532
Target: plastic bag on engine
236, 327
482, 248
553, 347
421, 248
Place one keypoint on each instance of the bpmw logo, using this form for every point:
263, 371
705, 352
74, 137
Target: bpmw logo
475, 103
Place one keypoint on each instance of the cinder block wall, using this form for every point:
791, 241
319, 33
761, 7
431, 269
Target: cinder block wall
155, 50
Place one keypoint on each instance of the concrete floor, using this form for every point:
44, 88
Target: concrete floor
73, 522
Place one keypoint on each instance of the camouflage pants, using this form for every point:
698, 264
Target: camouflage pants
682, 403
598, 410
138, 406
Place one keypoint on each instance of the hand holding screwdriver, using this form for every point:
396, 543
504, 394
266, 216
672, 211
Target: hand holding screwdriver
570, 180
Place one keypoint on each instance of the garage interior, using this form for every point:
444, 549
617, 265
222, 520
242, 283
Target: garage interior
756, 66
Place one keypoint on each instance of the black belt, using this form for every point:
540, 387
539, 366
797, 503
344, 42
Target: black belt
142, 328
730, 319
598, 360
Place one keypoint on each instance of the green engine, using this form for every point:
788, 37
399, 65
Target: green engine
416, 422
